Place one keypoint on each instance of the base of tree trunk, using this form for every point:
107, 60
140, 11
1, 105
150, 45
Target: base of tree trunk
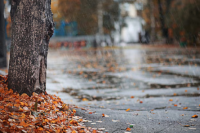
32, 28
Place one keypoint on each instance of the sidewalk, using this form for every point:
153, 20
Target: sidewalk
113, 110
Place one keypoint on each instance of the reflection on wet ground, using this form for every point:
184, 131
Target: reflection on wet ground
109, 74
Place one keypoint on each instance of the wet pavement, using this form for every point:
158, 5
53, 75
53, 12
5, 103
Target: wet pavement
148, 90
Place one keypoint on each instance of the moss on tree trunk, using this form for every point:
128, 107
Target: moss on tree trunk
32, 27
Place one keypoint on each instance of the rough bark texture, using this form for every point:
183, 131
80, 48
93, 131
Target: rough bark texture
32, 27
2, 37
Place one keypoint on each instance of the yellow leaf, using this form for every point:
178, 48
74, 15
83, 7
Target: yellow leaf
185, 108
84, 99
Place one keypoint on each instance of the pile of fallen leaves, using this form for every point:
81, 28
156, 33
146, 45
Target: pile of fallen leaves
37, 114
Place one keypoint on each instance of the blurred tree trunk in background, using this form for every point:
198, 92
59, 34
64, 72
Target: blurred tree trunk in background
152, 22
32, 28
3, 62
85, 13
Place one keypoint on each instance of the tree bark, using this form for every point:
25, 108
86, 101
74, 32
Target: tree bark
32, 28
3, 62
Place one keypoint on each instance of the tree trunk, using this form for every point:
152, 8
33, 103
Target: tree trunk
2, 37
153, 25
32, 28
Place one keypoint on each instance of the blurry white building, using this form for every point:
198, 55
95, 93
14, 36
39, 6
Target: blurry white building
131, 23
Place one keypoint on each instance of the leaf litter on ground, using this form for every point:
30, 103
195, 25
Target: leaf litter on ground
40, 113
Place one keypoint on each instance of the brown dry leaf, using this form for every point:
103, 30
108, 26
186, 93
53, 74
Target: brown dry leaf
185, 90
186, 125
1, 98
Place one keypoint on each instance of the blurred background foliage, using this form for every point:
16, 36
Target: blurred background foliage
174, 19
168, 21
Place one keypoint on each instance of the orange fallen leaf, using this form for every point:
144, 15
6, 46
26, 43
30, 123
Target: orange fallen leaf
141, 101
170, 99
185, 108
185, 90
80, 120
40, 129
127, 109
73, 131
16, 105
195, 116
132, 96
175, 104
186, 125
84, 99
94, 131
90, 112
128, 129
103, 115
197, 88
74, 111
174, 94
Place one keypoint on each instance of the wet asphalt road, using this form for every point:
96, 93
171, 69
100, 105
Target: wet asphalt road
149, 90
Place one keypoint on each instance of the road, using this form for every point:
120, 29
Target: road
146, 89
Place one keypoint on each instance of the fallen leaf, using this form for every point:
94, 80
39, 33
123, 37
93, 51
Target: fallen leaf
132, 96
94, 131
128, 129
195, 116
185, 108
185, 90
141, 101
103, 115
84, 99
127, 109
1, 98
90, 112
175, 104
170, 99
186, 125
